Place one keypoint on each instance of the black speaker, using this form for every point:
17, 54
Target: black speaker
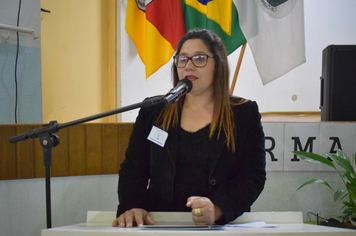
338, 83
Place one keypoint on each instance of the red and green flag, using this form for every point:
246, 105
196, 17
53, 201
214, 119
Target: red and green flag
219, 16
274, 30
156, 26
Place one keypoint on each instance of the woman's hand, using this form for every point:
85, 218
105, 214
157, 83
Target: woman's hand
135, 215
204, 211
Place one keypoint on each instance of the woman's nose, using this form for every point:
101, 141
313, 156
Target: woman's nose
190, 65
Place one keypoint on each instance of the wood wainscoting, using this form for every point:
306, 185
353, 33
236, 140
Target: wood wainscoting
87, 149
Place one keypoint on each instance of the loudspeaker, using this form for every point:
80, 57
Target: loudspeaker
338, 83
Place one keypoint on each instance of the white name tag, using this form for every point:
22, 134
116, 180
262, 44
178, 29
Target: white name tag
158, 136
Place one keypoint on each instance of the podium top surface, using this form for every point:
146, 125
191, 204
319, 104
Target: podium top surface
98, 225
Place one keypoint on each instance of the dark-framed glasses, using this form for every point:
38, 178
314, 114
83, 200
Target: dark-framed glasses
199, 60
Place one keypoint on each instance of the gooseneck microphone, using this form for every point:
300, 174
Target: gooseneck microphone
184, 86
48, 140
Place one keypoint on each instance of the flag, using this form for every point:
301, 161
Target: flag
274, 30
155, 26
220, 16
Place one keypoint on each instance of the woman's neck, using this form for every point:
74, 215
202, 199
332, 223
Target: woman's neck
198, 102
197, 112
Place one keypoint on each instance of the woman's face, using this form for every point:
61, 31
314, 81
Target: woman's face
202, 78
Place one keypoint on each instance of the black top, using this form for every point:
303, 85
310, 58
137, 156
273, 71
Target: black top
192, 173
147, 175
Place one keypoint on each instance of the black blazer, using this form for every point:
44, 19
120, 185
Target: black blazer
236, 179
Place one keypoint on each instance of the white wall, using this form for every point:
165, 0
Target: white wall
23, 203
326, 22
29, 81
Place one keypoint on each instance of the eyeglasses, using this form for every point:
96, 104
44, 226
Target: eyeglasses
199, 60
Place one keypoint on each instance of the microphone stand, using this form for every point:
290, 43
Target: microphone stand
49, 140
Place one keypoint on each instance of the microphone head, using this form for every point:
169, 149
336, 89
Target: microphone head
183, 86
188, 84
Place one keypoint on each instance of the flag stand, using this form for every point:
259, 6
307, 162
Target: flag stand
237, 70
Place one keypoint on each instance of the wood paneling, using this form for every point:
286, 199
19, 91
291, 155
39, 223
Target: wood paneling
87, 149
76, 150
25, 156
8, 161
93, 150
60, 156
110, 156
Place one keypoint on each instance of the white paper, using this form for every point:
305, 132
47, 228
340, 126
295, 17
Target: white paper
258, 224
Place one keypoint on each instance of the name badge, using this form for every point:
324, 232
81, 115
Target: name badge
158, 136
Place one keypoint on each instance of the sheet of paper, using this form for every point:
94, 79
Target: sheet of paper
175, 226
258, 224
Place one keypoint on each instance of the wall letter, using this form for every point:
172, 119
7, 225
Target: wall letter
269, 150
297, 145
337, 143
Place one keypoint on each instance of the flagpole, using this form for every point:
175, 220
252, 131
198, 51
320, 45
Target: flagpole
242, 52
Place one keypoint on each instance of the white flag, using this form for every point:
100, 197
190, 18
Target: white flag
274, 30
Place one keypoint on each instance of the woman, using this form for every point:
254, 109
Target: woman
213, 160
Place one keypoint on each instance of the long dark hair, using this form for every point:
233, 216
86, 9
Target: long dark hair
222, 116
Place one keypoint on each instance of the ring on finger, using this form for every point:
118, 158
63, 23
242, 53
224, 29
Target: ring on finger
197, 211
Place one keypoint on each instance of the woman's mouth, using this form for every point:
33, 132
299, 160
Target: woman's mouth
191, 77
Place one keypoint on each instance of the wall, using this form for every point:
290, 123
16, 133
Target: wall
78, 59
77, 76
79, 79
23, 202
326, 22
23, 206
26, 106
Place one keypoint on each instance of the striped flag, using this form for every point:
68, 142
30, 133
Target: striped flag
274, 30
219, 16
155, 26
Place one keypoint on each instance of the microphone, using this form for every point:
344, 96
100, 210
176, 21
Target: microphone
184, 86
